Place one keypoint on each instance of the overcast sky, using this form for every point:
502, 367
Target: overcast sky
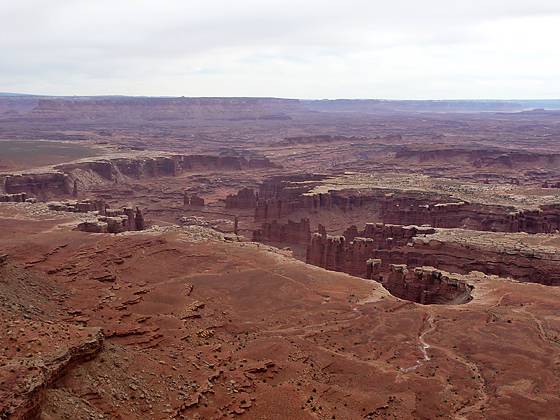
393, 49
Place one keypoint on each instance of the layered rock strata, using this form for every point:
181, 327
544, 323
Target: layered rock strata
291, 232
68, 179
277, 199
16, 198
454, 251
424, 285
83, 206
115, 221
193, 200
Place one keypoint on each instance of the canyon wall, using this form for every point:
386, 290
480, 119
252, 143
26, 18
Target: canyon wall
536, 265
387, 235
291, 232
425, 285
279, 198
39, 185
246, 198
421, 208
158, 166
479, 157
67, 179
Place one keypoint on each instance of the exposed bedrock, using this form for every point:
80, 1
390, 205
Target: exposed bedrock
380, 235
82, 206
172, 165
246, 198
280, 198
349, 252
103, 219
69, 179
387, 235
322, 139
477, 156
192, 200
39, 185
425, 285
24, 384
455, 254
139, 111
17, 198
291, 232
115, 221
275, 197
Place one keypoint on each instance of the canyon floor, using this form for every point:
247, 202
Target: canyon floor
278, 259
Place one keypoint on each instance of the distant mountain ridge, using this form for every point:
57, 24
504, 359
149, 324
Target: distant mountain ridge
16, 94
145, 108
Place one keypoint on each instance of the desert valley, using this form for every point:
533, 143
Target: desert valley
197, 258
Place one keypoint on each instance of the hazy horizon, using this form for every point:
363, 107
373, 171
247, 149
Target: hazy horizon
14, 94
356, 49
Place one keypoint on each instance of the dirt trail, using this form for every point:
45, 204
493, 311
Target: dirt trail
424, 346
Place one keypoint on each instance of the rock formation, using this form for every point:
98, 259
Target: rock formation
387, 235
290, 232
278, 198
115, 221
40, 185
246, 198
83, 206
68, 179
139, 220
16, 198
106, 220
453, 253
425, 285
193, 200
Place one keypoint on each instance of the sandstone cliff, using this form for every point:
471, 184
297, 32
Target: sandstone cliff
281, 197
425, 285
71, 178
291, 232
488, 253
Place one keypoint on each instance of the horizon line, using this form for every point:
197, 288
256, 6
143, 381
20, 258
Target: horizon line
20, 94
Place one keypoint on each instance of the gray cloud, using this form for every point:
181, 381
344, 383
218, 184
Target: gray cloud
350, 48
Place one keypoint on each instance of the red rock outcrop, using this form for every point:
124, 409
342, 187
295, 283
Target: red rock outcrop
420, 208
67, 179
82, 206
193, 200
246, 198
169, 165
387, 235
456, 253
290, 232
276, 197
319, 139
114, 221
349, 253
460, 255
479, 157
139, 223
13, 198
23, 386
425, 285
280, 197
40, 185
